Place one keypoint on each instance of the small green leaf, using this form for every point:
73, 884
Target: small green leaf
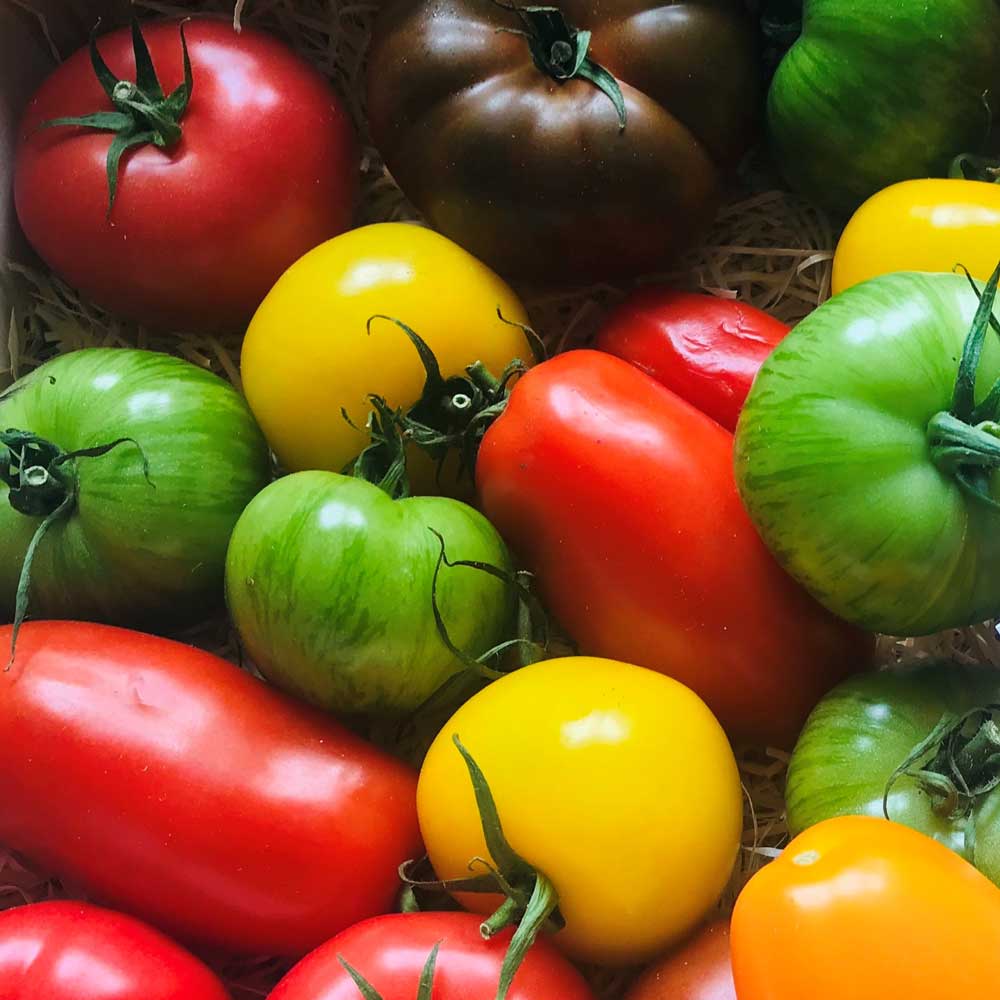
121, 143
608, 85
107, 79
582, 43
145, 73
426, 988
964, 400
543, 902
177, 102
103, 121
365, 988
513, 867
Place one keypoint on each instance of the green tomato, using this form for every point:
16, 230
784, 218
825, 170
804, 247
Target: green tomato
125, 548
843, 466
862, 731
329, 581
879, 91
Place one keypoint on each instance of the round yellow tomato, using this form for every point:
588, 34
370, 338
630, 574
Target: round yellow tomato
308, 352
615, 782
922, 225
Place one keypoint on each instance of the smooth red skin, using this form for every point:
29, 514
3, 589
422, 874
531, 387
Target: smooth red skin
390, 952
74, 951
174, 786
704, 348
700, 970
267, 169
620, 497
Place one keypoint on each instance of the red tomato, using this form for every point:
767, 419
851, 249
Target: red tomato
173, 785
73, 951
704, 348
700, 970
620, 496
390, 952
266, 169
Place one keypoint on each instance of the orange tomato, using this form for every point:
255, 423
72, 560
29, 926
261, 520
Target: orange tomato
858, 908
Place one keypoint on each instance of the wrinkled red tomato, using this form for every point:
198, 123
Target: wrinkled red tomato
390, 953
265, 168
704, 348
620, 496
171, 784
74, 951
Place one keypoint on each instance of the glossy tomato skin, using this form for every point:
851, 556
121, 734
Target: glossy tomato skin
331, 585
133, 551
922, 225
701, 969
267, 168
833, 462
704, 348
619, 495
873, 93
75, 951
534, 175
390, 952
192, 795
308, 354
867, 727
576, 751
862, 908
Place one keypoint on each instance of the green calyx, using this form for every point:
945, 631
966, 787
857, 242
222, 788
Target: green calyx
964, 442
42, 483
451, 416
143, 114
425, 988
970, 167
956, 765
561, 52
531, 901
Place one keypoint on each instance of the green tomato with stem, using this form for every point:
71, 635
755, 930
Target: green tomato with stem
868, 449
122, 474
361, 602
919, 744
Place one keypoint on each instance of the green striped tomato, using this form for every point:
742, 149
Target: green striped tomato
329, 582
126, 549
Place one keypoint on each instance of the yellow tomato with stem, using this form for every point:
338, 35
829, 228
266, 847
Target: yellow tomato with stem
921, 225
311, 353
618, 797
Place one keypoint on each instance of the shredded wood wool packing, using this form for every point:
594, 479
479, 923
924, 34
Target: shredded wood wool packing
766, 247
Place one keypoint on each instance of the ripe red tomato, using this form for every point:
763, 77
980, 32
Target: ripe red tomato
266, 169
620, 496
173, 785
391, 951
74, 951
700, 970
704, 348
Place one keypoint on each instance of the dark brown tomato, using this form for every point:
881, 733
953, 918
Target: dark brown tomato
533, 174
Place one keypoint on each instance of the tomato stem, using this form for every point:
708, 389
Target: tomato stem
970, 167
560, 51
964, 442
42, 483
143, 115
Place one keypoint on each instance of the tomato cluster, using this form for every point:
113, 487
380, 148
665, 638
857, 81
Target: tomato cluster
503, 621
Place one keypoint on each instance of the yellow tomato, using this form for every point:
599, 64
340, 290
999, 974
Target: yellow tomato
308, 353
614, 781
922, 225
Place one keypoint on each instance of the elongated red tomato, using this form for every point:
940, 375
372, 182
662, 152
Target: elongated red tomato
75, 951
174, 786
390, 953
620, 496
260, 167
704, 348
